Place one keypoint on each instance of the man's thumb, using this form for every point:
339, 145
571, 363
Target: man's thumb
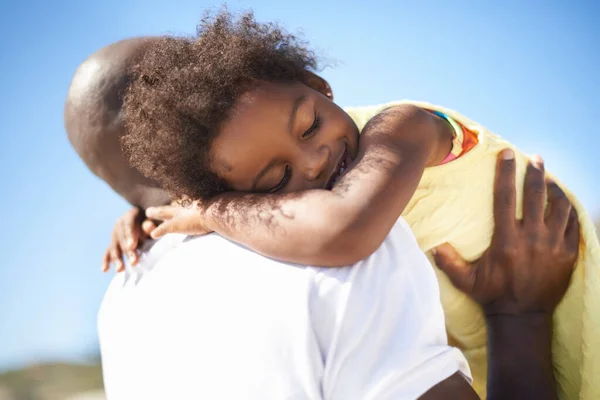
458, 270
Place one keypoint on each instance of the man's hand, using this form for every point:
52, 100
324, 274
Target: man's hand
528, 265
130, 230
520, 280
178, 219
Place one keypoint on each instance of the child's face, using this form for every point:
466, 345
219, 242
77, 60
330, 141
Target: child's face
284, 138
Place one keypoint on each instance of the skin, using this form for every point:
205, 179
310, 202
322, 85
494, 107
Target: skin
247, 144
289, 126
548, 236
288, 140
94, 123
283, 127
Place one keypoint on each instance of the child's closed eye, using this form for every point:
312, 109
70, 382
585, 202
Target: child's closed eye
284, 180
314, 127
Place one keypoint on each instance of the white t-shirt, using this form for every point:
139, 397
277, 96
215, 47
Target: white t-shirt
209, 319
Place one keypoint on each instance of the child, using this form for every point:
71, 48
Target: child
237, 110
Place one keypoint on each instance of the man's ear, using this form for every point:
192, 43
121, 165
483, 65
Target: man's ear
319, 84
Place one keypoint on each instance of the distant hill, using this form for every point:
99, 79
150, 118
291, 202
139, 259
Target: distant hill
50, 381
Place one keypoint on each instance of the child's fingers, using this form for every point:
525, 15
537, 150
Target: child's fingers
148, 226
162, 230
116, 256
106, 261
128, 239
119, 234
162, 213
130, 230
133, 258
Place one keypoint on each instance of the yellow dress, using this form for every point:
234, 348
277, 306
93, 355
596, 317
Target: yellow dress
453, 204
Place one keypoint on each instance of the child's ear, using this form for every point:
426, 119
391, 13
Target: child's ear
319, 84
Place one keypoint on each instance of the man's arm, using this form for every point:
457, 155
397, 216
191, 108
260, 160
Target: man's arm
520, 357
455, 387
519, 362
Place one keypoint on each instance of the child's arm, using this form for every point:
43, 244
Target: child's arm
348, 223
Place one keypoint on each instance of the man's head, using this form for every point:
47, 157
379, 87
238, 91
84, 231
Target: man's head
94, 123
234, 108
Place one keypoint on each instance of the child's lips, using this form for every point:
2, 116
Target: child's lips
341, 166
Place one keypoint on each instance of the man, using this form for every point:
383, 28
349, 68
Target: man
202, 322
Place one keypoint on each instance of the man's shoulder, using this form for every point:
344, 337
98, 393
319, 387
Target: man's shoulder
208, 308
212, 255
175, 257
177, 265
175, 252
220, 250
398, 256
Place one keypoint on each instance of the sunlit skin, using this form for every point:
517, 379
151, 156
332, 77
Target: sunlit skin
283, 138
282, 143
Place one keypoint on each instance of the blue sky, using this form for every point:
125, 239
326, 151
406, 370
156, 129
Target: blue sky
527, 71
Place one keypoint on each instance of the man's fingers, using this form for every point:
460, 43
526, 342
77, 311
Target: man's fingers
162, 213
458, 270
559, 208
504, 193
534, 193
572, 235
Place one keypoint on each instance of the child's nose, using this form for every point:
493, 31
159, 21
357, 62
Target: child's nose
316, 162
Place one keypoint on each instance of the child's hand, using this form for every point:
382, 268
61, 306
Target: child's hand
130, 230
178, 219
529, 263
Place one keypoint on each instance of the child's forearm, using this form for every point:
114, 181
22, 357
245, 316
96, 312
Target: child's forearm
342, 226
316, 227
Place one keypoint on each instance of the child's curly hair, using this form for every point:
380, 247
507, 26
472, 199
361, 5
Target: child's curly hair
184, 88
